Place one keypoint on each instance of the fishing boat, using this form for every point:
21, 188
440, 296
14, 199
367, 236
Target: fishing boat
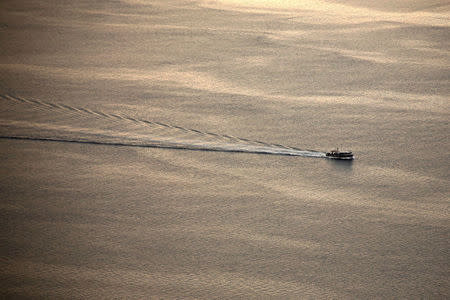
337, 154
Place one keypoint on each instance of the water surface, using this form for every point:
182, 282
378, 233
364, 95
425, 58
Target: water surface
96, 216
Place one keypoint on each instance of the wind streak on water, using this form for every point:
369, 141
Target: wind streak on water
40, 120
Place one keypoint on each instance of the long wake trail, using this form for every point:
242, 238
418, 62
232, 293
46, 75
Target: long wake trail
31, 119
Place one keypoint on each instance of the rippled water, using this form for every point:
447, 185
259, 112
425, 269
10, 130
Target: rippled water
64, 126
102, 103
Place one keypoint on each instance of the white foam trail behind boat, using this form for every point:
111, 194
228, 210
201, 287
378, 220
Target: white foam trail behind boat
39, 120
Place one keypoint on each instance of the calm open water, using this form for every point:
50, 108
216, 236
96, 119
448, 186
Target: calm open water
84, 213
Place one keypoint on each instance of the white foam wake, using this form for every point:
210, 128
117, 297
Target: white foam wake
45, 121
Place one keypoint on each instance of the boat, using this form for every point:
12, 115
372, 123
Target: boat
336, 154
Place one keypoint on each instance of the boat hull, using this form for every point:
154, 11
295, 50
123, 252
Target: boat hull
341, 158
342, 155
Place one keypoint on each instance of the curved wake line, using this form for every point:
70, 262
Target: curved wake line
127, 131
85, 111
169, 145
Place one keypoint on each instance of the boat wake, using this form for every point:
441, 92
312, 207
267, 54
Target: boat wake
39, 120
